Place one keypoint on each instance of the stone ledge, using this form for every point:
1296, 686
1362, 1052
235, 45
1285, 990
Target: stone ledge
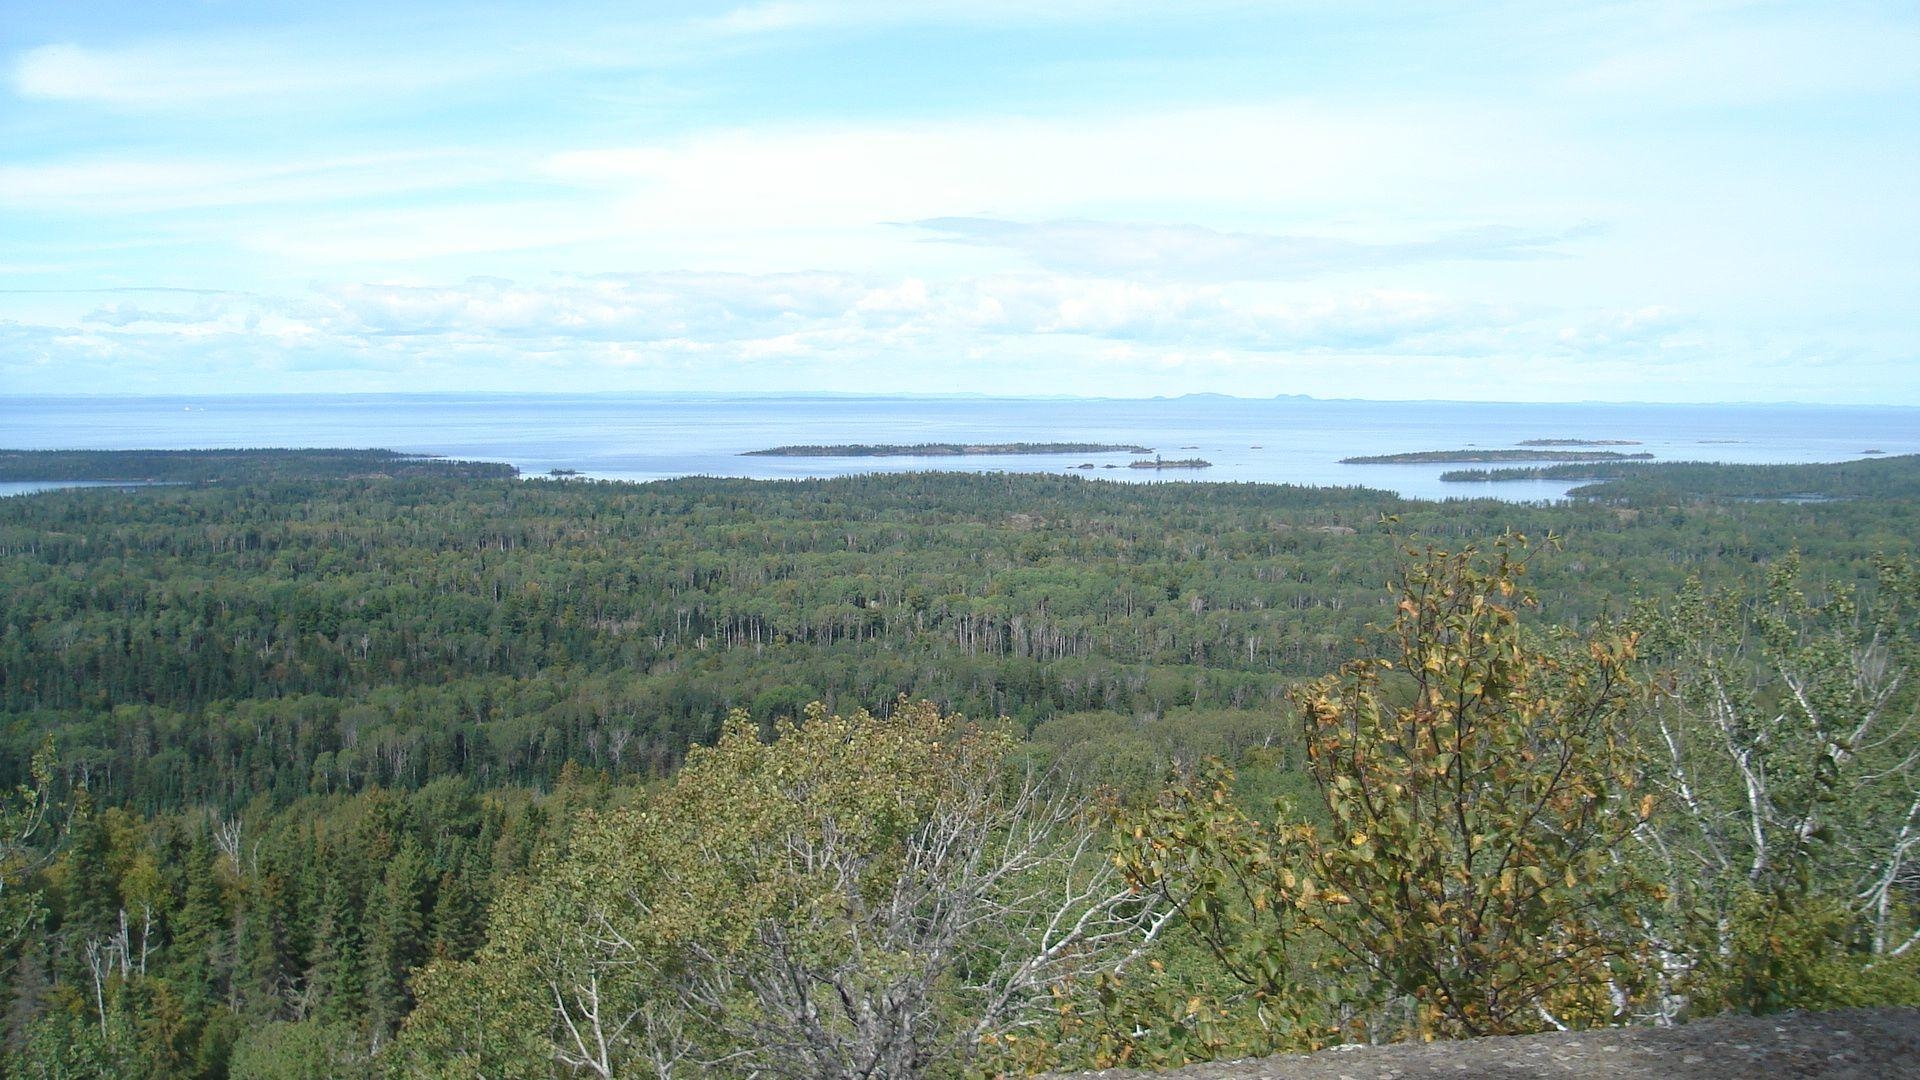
1846, 1044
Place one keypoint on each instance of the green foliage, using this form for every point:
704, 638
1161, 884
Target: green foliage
167, 940
1178, 1007
1469, 866
300, 1051
1244, 887
1791, 817
23, 814
861, 896
1668, 482
1477, 827
276, 637
315, 721
59, 1045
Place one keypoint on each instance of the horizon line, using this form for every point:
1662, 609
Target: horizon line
963, 395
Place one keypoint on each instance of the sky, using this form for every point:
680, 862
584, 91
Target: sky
1621, 201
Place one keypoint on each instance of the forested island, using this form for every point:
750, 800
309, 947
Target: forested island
1171, 463
341, 763
1443, 457
947, 449
1579, 442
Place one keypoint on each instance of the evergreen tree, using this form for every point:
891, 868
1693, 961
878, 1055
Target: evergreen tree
396, 938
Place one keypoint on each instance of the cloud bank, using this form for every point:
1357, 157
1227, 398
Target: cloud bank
1193, 252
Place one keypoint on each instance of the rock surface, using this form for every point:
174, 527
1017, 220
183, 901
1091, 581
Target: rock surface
1848, 1043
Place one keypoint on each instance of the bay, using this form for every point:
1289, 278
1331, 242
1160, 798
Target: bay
643, 437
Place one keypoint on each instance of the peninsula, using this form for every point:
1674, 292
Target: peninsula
1892, 477
947, 449
215, 466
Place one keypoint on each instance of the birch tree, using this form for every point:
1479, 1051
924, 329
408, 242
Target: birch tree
1789, 747
23, 813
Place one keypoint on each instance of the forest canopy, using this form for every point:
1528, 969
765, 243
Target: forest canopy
280, 735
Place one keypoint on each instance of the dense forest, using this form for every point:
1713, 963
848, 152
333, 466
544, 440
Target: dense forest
1881, 479
297, 739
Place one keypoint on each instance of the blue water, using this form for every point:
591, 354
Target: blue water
28, 487
642, 437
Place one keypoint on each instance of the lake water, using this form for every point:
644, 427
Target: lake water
28, 487
652, 437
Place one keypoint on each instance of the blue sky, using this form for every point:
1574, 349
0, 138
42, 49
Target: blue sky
1665, 201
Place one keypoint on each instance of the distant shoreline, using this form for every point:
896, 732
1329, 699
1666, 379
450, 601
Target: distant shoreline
1450, 457
946, 449
604, 440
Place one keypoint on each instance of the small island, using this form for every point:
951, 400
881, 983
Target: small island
1579, 442
1449, 457
946, 449
1177, 463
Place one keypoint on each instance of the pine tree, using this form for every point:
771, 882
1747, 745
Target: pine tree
395, 938
336, 975
196, 948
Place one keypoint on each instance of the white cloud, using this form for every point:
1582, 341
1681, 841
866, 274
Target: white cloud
1600, 331
756, 198
125, 183
1193, 252
718, 307
396, 236
1240, 161
778, 15
121, 315
416, 50
817, 314
1045, 335
781, 15
258, 73
1237, 199
1752, 55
